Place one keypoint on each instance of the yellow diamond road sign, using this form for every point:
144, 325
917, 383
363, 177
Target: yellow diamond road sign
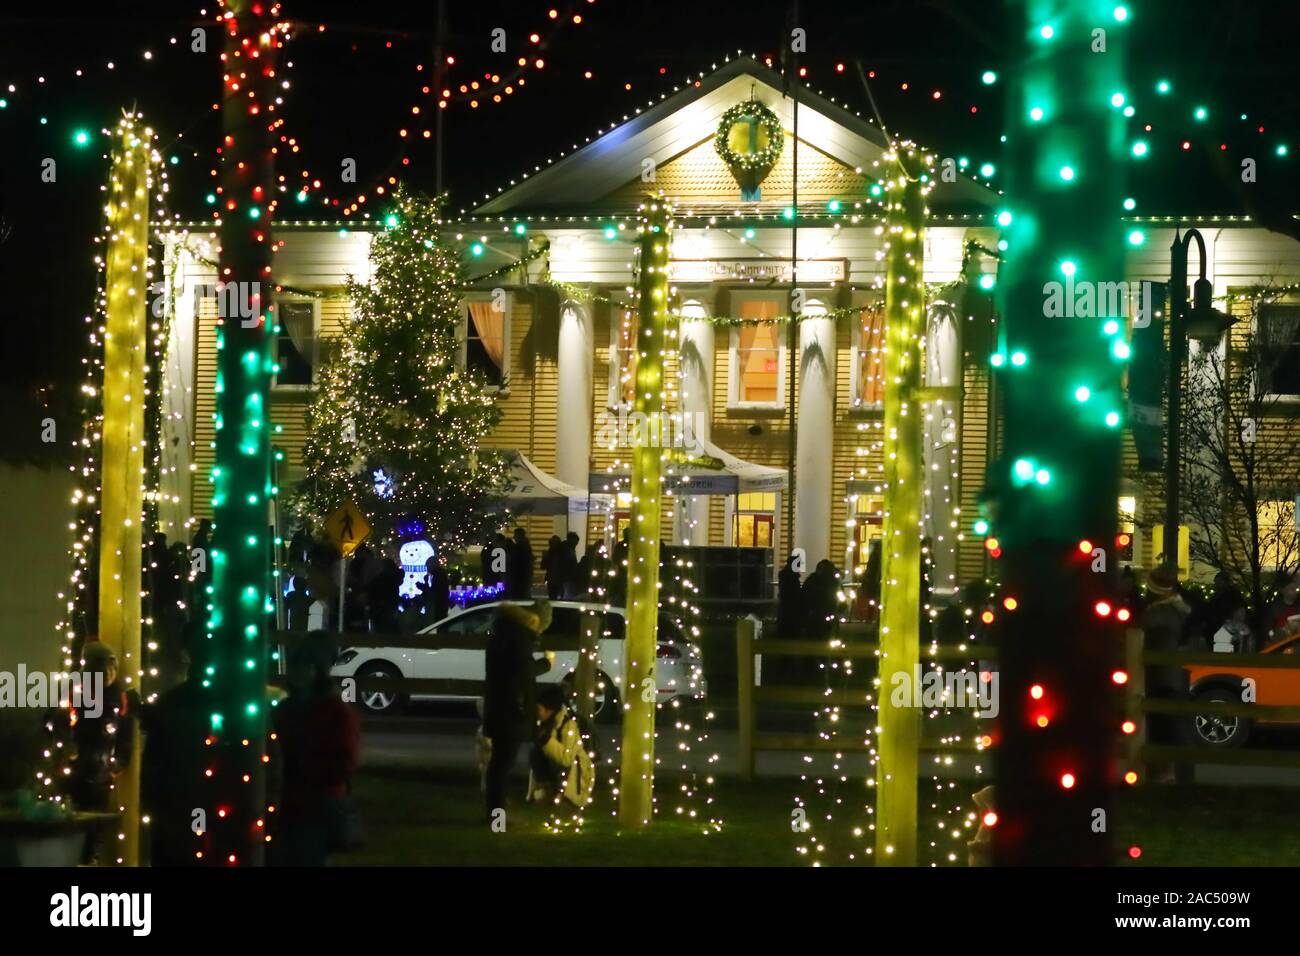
347, 528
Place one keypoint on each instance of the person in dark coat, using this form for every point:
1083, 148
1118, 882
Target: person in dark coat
1130, 594
298, 601
171, 770
382, 595
320, 744
510, 692
789, 594
494, 559
519, 567
820, 600
436, 590
587, 569
569, 566
1207, 618
869, 586
199, 560
551, 570
103, 735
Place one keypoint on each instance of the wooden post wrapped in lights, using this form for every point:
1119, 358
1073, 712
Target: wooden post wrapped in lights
636, 787
234, 655
122, 477
899, 727
1054, 491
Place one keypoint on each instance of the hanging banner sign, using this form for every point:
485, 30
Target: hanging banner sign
778, 270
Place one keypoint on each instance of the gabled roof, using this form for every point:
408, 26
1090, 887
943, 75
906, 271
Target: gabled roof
577, 182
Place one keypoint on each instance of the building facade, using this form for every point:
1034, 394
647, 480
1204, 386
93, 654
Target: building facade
553, 325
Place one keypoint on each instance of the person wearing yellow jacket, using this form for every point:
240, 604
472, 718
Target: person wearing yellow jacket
561, 767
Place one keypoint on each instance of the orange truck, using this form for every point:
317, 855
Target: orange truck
1227, 682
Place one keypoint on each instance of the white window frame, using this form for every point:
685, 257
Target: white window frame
314, 358
462, 334
733, 353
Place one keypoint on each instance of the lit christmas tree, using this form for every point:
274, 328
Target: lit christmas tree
398, 422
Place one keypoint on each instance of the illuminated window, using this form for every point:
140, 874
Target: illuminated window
757, 355
296, 342
1184, 548
866, 522
486, 332
622, 358
1127, 536
1277, 534
622, 515
754, 519
1279, 340
869, 358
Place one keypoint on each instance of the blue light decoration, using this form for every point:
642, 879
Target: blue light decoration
410, 527
469, 594
385, 483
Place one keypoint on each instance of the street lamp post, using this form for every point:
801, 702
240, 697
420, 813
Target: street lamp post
1204, 323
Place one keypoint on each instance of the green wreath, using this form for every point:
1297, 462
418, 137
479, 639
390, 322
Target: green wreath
766, 157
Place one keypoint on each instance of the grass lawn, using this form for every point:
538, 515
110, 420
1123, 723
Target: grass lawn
434, 817
1211, 826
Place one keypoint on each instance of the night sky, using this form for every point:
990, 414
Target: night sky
353, 87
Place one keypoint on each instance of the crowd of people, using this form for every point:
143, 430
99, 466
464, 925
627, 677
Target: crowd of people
315, 747
317, 735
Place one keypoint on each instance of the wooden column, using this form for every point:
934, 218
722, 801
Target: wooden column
899, 727
636, 793
122, 477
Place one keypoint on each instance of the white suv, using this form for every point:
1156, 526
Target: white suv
678, 666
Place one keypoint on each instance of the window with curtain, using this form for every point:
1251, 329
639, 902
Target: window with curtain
1279, 337
622, 357
757, 360
869, 367
295, 342
485, 341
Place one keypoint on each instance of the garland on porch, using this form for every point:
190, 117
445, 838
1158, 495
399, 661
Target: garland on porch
1261, 293
585, 296
531, 256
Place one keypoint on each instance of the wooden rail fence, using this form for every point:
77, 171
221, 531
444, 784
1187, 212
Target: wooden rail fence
850, 643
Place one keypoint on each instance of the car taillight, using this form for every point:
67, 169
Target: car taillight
667, 650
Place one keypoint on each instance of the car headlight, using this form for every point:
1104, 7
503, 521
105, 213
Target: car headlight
347, 657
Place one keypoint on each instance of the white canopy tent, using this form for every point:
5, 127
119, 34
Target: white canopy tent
708, 471
533, 491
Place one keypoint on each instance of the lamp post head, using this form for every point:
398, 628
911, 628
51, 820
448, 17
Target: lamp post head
1203, 322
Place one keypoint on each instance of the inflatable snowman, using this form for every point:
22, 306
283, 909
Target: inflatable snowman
414, 555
